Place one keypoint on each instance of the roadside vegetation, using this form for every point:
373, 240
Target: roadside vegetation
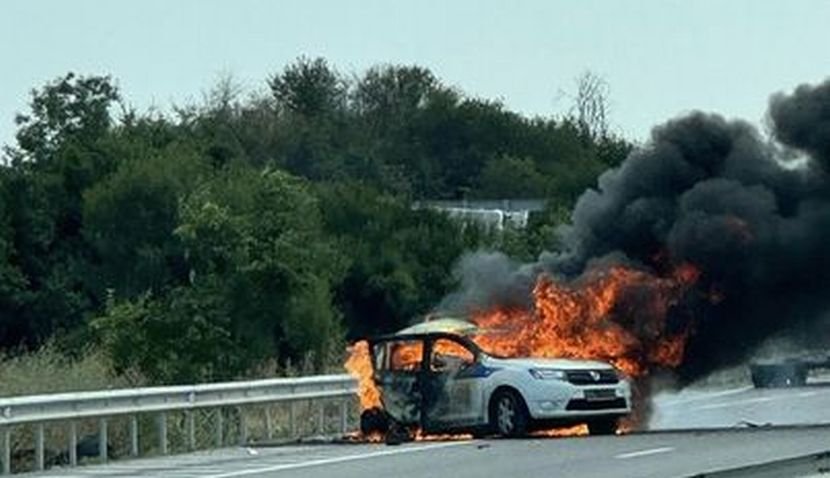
254, 235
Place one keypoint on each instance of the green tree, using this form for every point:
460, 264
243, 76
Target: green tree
401, 258
13, 285
130, 217
71, 108
507, 177
309, 88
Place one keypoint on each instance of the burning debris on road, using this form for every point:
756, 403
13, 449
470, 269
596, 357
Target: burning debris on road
703, 243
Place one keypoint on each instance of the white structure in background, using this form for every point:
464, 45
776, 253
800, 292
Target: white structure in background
489, 218
492, 214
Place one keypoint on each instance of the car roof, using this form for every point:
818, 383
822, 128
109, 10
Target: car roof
424, 337
447, 325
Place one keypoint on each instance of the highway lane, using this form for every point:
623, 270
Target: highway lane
641, 456
740, 406
666, 453
638, 455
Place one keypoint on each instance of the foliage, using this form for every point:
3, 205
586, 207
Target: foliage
49, 370
401, 259
266, 229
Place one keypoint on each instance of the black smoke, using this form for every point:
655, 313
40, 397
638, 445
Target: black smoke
717, 194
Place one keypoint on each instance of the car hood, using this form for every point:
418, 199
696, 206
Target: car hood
561, 364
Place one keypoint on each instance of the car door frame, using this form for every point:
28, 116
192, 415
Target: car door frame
404, 406
437, 386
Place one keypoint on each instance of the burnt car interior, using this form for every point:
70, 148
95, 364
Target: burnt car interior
422, 379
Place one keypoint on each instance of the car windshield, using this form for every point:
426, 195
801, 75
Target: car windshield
491, 343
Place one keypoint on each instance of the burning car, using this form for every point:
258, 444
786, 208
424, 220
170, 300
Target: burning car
433, 377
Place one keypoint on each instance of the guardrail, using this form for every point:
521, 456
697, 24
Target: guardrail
39, 410
813, 464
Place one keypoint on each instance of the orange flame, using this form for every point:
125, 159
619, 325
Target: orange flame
616, 315
359, 365
575, 430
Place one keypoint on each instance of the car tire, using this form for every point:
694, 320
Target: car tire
397, 434
508, 414
374, 421
604, 426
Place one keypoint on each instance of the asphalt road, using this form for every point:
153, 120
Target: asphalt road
647, 455
660, 453
742, 406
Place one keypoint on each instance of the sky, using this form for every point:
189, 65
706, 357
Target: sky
659, 58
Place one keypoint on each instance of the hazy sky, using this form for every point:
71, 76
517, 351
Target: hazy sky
660, 58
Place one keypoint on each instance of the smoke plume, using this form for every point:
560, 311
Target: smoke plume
714, 193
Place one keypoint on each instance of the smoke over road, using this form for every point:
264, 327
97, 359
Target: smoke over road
711, 193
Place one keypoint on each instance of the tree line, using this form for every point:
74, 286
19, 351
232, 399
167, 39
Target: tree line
199, 244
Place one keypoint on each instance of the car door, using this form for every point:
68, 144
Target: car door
451, 388
398, 365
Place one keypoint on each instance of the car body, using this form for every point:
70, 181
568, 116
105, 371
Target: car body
434, 377
787, 372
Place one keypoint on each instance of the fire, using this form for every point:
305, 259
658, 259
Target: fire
359, 365
616, 314
576, 430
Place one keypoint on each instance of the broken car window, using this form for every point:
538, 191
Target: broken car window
449, 355
405, 355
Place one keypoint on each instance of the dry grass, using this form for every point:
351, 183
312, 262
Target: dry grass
49, 371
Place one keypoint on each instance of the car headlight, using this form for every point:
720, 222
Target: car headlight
548, 374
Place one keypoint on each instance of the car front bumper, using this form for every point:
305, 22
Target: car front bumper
553, 399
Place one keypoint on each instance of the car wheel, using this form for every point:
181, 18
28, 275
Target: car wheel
374, 421
605, 426
508, 414
397, 434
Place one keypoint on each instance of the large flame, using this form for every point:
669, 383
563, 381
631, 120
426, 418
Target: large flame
359, 365
616, 314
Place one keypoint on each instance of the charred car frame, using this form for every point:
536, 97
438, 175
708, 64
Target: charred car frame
443, 382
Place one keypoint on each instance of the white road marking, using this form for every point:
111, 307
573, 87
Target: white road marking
681, 400
337, 459
747, 401
651, 451
807, 394
735, 403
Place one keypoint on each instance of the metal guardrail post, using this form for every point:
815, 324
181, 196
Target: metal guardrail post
103, 440
73, 443
162, 427
269, 426
344, 416
7, 450
292, 419
243, 427
220, 439
191, 430
39, 439
134, 435
321, 418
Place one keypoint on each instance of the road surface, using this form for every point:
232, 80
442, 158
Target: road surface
639, 455
672, 449
742, 406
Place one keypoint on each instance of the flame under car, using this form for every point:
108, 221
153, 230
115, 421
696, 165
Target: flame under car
433, 377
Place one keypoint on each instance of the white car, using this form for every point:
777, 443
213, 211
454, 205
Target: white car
433, 376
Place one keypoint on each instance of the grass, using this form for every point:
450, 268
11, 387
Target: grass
47, 370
